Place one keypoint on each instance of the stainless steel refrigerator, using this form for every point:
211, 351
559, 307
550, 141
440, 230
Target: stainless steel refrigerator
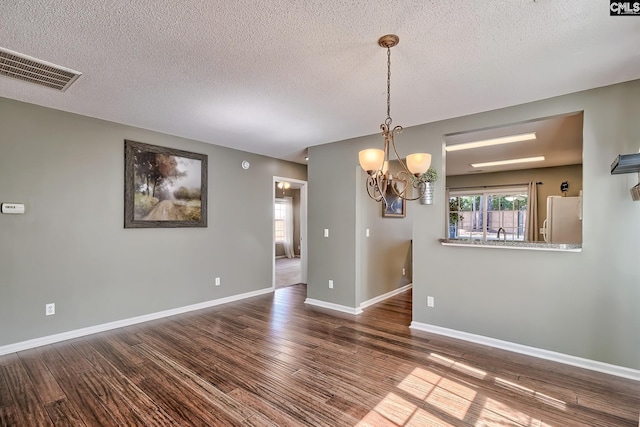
564, 220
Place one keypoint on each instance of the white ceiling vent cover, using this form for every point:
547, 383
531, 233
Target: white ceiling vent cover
28, 69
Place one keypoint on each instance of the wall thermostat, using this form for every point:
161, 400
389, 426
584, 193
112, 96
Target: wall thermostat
12, 208
245, 164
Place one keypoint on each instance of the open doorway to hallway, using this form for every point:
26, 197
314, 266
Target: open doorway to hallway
287, 272
289, 231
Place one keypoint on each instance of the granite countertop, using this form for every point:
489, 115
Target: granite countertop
500, 244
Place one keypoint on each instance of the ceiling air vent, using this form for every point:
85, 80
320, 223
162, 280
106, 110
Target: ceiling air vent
28, 69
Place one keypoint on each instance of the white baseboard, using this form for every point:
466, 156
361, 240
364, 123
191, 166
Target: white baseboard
332, 306
383, 297
619, 371
50, 339
359, 309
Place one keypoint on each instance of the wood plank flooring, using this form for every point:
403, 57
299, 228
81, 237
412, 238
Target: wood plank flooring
272, 361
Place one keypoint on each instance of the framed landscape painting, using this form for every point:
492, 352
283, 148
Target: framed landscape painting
164, 187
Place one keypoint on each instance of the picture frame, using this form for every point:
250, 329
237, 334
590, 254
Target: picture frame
164, 187
395, 206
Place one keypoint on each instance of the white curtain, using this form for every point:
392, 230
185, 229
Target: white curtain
531, 229
288, 227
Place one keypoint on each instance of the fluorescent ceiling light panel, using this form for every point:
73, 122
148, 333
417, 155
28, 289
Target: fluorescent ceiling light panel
492, 141
508, 162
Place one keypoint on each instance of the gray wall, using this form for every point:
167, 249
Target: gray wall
387, 249
332, 167
361, 268
70, 247
583, 304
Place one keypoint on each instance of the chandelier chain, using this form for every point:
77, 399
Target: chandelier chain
388, 120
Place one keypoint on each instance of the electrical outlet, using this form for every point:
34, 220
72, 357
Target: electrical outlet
404, 271
430, 302
366, 232
326, 232
217, 281
50, 309
330, 284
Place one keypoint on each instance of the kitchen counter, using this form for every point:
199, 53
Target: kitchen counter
499, 244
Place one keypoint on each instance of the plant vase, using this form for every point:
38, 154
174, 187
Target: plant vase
427, 197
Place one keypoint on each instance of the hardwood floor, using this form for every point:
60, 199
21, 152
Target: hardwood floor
287, 272
272, 361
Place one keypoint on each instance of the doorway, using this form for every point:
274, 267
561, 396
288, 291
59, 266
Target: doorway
289, 231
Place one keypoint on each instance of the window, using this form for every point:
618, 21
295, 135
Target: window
280, 216
488, 214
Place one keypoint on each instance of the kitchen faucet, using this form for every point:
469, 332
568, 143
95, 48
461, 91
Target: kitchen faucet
504, 233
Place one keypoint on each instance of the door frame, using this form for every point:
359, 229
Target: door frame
303, 228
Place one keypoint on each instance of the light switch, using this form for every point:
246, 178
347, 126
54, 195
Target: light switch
366, 232
13, 208
326, 232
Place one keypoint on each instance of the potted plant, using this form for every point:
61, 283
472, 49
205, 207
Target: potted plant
426, 181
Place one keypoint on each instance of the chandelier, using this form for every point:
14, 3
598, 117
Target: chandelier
284, 186
380, 182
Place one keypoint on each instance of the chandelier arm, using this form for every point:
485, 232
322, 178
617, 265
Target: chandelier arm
385, 148
409, 180
400, 194
376, 187
398, 129
381, 184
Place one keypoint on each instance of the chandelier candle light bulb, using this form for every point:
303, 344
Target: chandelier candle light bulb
376, 162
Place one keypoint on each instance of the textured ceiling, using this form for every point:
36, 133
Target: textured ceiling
274, 77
